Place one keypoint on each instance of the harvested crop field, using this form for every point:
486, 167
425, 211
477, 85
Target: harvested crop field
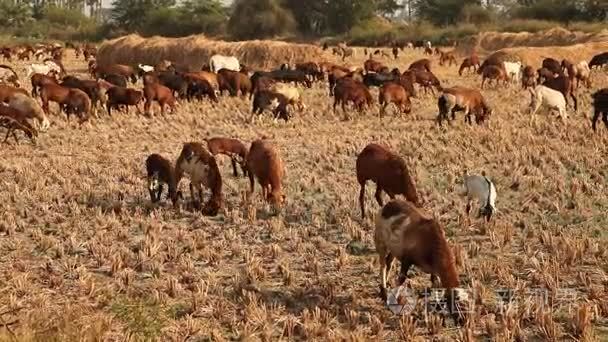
84, 255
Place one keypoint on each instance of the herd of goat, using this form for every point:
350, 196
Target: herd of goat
403, 230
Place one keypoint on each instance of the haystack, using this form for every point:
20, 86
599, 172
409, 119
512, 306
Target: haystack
532, 48
194, 51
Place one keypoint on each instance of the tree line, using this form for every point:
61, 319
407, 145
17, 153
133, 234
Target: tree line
250, 19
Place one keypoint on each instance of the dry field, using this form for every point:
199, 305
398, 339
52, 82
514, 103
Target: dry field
85, 256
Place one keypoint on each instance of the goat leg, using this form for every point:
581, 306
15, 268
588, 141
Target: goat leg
234, 170
405, 267
362, 200
378, 195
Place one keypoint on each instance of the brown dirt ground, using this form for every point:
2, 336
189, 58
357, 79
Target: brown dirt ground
85, 256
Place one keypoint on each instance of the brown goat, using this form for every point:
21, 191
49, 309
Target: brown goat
54, 93
447, 57
373, 65
348, 90
78, 103
233, 82
161, 171
202, 168
468, 63
552, 65
118, 96
126, 71
234, 148
462, 99
394, 93
40, 80
427, 80
528, 77
406, 233
154, 91
388, 171
13, 119
7, 91
421, 64
265, 164
492, 72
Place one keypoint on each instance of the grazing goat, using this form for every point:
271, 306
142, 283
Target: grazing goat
291, 93
275, 102
30, 109
265, 164
468, 63
202, 168
234, 148
463, 99
552, 99
599, 60
493, 72
404, 232
427, 80
481, 189
160, 172
600, 107
154, 91
421, 64
13, 119
388, 171
565, 86
348, 90
394, 93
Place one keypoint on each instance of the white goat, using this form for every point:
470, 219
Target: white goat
481, 189
44, 69
218, 62
514, 70
145, 68
550, 98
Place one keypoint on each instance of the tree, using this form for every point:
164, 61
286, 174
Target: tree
14, 14
252, 19
387, 7
128, 14
442, 12
596, 9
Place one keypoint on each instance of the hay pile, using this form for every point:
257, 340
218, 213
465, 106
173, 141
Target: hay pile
194, 51
532, 48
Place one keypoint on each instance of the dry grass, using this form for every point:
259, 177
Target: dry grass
85, 256
194, 51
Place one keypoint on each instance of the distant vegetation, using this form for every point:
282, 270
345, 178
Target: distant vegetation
354, 21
